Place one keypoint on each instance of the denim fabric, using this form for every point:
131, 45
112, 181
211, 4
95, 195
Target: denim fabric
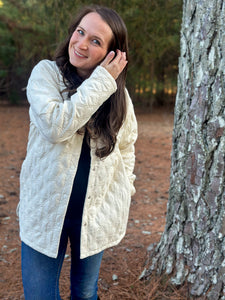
41, 273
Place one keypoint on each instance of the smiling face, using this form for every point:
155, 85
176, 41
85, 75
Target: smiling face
89, 44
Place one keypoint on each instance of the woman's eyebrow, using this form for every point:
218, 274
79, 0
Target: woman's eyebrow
94, 36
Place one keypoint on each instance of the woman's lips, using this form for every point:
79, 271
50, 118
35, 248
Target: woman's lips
79, 54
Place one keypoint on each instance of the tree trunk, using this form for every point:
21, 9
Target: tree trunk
192, 248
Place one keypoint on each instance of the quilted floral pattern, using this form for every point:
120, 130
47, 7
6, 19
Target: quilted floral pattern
52, 157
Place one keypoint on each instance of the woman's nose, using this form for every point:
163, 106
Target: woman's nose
83, 43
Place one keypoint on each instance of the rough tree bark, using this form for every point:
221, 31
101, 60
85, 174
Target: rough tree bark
192, 248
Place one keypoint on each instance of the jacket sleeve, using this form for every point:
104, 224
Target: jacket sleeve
58, 120
127, 141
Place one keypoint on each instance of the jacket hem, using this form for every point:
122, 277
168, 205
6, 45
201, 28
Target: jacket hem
86, 254
39, 249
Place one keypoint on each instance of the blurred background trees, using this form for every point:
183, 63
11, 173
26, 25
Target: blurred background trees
30, 30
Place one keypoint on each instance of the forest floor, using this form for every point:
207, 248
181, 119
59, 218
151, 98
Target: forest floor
121, 265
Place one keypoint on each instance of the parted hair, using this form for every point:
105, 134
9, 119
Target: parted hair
107, 120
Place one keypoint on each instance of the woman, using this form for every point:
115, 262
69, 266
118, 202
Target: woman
77, 178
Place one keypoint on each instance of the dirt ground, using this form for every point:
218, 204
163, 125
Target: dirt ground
123, 264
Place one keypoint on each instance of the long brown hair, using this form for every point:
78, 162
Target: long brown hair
108, 119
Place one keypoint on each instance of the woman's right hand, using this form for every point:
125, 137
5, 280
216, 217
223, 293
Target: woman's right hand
115, 65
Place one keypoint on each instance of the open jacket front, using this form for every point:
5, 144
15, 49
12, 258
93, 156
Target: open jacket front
53, 152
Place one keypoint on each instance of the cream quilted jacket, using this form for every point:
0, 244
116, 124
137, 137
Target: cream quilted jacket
50, 165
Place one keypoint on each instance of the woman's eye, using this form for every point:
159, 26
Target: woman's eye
80, 32
96, 42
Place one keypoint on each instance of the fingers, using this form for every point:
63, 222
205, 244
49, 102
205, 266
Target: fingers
115, 66
108, 58
121, 56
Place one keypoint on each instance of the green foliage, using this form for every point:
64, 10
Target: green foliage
154, 45
30, 30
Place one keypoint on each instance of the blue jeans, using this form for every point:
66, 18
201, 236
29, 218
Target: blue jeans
41, 273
